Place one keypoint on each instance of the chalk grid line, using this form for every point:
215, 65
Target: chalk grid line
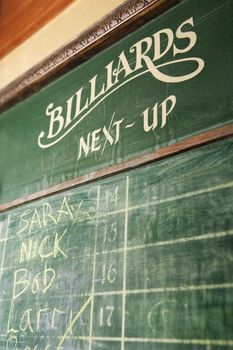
172, 341
5, 240
93, 272
171, 289
125, 292
159, 201
124, 265
1, 226
205, 236
156, 201
4, 250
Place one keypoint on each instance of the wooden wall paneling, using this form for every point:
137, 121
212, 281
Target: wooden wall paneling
20, 19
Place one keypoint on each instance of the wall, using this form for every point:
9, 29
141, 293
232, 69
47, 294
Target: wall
74, 19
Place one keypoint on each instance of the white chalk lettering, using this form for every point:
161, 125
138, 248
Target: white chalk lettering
142, 55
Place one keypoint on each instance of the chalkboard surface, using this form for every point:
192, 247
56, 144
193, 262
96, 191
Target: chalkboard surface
168, 80
142, 260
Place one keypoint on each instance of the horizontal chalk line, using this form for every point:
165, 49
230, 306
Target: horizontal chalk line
184, 288
159, 201
172, 289
204, 342
215, 342
172, 199
206, 236
219, 342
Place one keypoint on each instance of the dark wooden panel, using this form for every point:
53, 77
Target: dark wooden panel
20, 19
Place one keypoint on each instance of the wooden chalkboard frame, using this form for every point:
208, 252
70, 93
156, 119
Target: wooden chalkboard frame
157, 238
122, 21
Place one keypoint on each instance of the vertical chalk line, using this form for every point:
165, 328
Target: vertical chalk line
4, 245
93, 271
125, 264
2, 262
9, 317
1, 224
3, 252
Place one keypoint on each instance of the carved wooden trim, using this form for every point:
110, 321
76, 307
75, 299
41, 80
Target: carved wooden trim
111, 28
180, 146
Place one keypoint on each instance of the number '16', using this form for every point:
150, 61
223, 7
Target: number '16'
108, 274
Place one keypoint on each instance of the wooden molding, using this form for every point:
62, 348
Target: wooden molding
125, 19
180, 146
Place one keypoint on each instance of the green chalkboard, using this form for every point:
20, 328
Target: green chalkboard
168, 80
141, 260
